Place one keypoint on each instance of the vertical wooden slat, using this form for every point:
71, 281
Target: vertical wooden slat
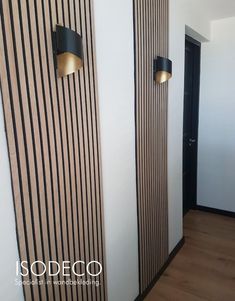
45, 13
52, 128
151, 39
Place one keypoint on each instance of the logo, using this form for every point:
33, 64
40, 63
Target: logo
78, 270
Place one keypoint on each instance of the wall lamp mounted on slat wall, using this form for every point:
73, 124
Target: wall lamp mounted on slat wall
162, 69
68, 50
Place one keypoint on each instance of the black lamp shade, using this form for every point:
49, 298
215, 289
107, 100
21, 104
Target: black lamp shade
69, 50
162, 69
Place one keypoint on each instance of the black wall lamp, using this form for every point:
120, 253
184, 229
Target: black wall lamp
162, 69
68, 50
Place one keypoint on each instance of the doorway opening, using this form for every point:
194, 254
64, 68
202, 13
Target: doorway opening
191, 117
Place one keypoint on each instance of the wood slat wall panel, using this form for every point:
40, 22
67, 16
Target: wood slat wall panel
151, 39
52, 128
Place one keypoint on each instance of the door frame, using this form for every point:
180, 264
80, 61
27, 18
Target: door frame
196, 101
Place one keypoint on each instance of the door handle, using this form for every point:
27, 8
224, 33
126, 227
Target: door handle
192, 140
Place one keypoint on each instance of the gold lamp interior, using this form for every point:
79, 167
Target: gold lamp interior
68, 63
162, 76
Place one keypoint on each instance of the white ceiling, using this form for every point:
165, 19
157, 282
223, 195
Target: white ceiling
214, 9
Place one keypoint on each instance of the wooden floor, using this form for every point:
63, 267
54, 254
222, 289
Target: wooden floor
204, 269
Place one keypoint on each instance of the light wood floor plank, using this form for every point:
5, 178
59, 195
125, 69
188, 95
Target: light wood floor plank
204, 269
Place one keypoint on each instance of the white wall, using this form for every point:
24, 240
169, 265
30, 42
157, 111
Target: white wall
115, 62
197, 26
8, 250
216, 157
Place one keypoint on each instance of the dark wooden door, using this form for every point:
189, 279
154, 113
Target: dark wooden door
190, 134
